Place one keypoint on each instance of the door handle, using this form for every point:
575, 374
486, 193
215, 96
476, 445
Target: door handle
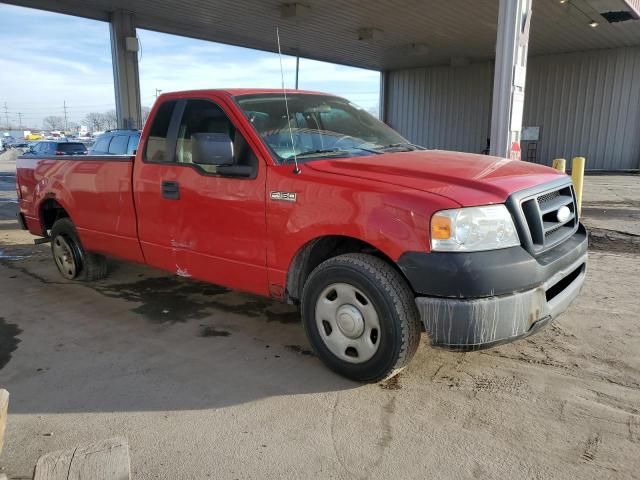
171, 190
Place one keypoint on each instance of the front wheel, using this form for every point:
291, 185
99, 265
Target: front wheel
360, 317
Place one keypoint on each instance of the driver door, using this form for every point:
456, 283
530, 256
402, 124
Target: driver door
192, 219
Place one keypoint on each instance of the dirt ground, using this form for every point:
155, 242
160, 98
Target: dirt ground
207, 383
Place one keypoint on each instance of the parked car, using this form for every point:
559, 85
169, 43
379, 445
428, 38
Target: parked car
55, 147
17, 143
317, 203
116, 142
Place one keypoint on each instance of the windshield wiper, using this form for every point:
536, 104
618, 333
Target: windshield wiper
320, 151
410, 147
339, 151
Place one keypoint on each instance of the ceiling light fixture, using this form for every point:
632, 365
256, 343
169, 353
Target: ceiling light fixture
591, 22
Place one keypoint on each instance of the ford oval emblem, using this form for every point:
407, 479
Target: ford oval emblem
563, 214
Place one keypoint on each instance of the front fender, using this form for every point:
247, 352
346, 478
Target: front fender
392, 219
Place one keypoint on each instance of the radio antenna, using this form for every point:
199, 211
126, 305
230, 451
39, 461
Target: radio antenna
296, 170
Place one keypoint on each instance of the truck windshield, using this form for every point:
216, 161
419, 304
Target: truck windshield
321, 126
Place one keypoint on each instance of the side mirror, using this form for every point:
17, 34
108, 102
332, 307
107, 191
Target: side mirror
211, 149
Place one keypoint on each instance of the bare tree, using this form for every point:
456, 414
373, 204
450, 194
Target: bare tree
95, 121
110, 119
53, 122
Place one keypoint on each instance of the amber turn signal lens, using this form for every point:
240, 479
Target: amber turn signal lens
440, 227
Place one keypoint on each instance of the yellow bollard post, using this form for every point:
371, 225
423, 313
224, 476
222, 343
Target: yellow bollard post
577, 175
560, 164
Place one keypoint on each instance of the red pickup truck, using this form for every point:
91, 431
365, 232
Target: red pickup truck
314, 201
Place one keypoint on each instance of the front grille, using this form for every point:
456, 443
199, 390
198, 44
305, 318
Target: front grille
545, 225
547, 197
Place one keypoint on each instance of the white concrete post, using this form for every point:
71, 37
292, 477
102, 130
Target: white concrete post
514, 20
124, 55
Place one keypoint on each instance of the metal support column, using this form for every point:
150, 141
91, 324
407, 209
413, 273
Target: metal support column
514, 20
124, 55
384, 89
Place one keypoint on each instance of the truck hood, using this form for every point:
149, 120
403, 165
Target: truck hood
466, 178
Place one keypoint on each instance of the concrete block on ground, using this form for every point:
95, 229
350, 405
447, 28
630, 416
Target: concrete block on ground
4, 408
103, 460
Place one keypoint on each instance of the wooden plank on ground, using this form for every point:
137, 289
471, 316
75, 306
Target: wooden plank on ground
104, 460
4, 409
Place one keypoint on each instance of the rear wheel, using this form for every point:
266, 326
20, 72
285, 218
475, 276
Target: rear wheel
360, 317
70, 257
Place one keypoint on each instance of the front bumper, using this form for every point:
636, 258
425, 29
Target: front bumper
512, 297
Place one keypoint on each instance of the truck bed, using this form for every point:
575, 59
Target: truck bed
101, 184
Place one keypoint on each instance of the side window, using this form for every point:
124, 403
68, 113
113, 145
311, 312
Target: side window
132, 146
204, 116
118, 145
156, 148
102, 145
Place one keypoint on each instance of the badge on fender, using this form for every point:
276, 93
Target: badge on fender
284, 196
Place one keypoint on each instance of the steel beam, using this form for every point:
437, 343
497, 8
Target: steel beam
126, 79
514, 19
384, 89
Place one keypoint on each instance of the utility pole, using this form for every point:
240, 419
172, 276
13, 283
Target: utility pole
297, 69
6, 114
19, 119
158, 92
64, 106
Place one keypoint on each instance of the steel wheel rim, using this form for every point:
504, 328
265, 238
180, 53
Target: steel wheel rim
348, 323
64, 256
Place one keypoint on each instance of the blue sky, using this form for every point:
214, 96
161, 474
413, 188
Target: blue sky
47, 58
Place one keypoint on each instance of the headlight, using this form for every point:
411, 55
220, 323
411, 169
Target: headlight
472, 229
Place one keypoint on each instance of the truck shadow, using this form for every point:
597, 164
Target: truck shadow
143, 340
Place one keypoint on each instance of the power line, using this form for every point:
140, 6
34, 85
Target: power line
6, 113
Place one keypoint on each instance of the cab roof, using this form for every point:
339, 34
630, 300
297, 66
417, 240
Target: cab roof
238, 92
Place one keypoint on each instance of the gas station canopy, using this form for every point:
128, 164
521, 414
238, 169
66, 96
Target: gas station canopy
380, 35
453, 73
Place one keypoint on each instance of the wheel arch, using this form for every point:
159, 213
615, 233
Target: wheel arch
319, 249
50, 211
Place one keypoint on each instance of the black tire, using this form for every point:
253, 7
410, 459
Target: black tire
79, 264
393, 301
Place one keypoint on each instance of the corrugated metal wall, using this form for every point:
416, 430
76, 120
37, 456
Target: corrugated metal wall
586, 104
447, 108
